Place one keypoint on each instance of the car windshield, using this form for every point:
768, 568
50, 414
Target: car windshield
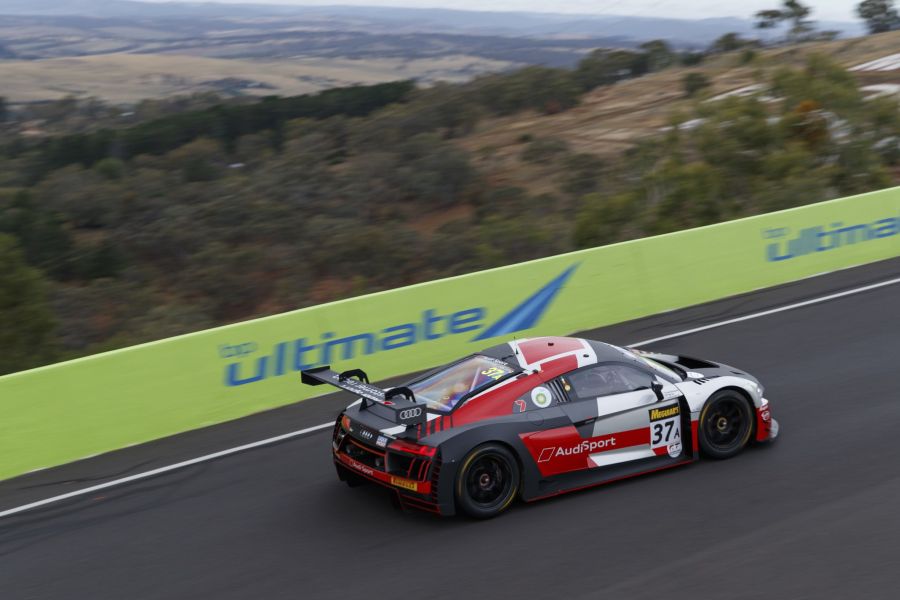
664, 370
442, 391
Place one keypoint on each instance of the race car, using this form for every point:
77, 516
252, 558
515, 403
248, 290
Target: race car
539, 417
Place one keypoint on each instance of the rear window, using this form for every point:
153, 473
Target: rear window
443, 390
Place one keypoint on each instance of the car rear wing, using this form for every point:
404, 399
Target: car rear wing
397, 404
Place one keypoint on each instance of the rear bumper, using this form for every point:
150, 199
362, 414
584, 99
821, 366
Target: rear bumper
406, 498
420, 488
416, 484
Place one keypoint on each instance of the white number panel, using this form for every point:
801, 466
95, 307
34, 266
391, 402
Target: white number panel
665, 430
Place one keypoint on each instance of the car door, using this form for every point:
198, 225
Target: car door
618, 417
635, 420
611, 409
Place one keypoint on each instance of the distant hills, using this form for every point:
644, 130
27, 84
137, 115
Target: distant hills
399, 20
122, 51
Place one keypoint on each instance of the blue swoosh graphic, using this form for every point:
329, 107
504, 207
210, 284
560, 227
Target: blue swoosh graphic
527, 314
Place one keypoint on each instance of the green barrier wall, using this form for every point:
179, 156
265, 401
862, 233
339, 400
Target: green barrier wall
63, 412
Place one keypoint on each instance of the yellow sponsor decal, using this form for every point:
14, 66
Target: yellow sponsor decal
404, 483
664, 413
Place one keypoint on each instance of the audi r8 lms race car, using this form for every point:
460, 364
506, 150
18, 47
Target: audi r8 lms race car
539, 417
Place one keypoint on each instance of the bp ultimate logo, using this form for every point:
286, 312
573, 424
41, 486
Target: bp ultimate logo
822, 238
293, 355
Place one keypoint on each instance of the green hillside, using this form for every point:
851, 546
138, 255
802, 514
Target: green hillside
124, 234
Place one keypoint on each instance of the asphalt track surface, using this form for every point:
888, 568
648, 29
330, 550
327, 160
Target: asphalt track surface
814, 515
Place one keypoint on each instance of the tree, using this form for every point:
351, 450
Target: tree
110, 168
694, 82
452, 110
822, 80
231, 280
26, 325
200, 160
769, 19
797, 14
605, 219
582, 173
735, 134
791, 10
103, 261
691, 59
728, 43
605, 67
659, 54
687, 195
541, 88
879, 15
39, 233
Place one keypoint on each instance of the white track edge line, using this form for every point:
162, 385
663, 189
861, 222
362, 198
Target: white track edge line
293, 434
166, 469
771, 311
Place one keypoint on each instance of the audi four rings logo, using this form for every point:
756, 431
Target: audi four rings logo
366, 434
410, 413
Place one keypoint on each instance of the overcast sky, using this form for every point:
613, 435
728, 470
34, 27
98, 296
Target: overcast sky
833, 10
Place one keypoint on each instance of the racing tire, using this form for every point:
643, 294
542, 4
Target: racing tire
488, 481
725, 426
350, 478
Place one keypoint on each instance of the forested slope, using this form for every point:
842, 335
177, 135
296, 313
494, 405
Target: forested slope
115, 235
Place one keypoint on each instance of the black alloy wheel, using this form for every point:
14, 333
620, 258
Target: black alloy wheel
487, 482
726, 423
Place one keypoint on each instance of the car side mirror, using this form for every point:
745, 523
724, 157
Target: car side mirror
657, 389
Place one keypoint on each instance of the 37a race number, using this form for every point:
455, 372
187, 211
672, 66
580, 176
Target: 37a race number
662, 432
494, 373
665, 429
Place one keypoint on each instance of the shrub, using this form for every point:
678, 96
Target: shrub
694, 82
545, 150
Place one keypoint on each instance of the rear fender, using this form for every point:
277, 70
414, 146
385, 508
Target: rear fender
456, 447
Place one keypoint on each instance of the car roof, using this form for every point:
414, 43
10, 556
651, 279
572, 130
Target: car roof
534, 352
